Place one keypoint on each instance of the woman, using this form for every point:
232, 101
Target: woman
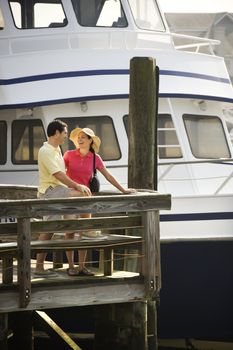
79, 167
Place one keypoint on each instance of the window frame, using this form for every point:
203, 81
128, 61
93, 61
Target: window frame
144, 28
4, 142
30, 19
205, 117
31, 123
2, 22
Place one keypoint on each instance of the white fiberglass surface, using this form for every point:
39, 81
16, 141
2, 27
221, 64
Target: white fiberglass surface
196, 217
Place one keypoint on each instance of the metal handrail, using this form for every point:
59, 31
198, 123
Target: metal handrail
200, 42
225, 161
220, 161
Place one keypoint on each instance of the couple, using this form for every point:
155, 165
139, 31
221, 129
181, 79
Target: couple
68, 176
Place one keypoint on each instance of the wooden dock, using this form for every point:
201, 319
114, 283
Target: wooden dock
130, 224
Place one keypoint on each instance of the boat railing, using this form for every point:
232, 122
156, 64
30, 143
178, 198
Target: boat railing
222, 161
130, 224
195, 43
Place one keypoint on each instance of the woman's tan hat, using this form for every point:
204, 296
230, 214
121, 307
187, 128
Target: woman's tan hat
96, 140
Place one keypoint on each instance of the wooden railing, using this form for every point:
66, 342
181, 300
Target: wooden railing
112, 213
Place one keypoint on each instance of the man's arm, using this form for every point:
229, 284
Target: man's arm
63, 178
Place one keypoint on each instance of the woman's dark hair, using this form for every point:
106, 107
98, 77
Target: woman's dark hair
91, 148
54, 126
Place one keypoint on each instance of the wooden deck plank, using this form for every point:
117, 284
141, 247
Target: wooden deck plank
96, 204
76, 295
69, 244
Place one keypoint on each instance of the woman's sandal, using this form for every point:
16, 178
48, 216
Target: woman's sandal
85, 272
72, 272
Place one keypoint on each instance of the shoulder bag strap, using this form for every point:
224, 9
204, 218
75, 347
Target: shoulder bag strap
94, 169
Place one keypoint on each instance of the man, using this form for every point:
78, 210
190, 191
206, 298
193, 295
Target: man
53, 181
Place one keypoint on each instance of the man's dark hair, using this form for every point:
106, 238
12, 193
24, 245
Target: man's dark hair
54, 126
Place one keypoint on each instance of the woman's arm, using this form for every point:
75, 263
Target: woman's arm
108, 176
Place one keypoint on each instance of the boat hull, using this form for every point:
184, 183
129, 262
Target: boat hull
197, 288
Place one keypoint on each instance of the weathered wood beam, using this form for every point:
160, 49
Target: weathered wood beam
7, 269
101, 204
151, 262
60, 338
17, 191
69, 244
102, 223
46, 296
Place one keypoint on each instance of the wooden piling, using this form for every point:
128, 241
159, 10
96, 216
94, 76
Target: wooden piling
142, 157
121, 326
22, 327
142, 173
3, 331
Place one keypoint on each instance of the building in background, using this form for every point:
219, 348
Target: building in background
217, 26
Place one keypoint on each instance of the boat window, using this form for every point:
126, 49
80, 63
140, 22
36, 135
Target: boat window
103, 127
99, 13
27, 137
38, 14
206, 136
1, 20
3, 142
168, 144
146, 15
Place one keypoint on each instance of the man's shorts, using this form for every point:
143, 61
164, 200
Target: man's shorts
55, 192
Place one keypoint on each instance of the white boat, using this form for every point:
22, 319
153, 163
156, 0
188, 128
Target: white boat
70, 60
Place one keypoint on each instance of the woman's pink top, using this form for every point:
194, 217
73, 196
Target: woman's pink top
79, 168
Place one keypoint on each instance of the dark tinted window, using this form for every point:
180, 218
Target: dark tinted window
3, 142
102, 127
206, 136
99, 13
27, 137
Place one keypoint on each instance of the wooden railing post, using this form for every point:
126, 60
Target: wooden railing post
152, 272
7, 270
24, 260
57, 259
151, 262
108, 261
